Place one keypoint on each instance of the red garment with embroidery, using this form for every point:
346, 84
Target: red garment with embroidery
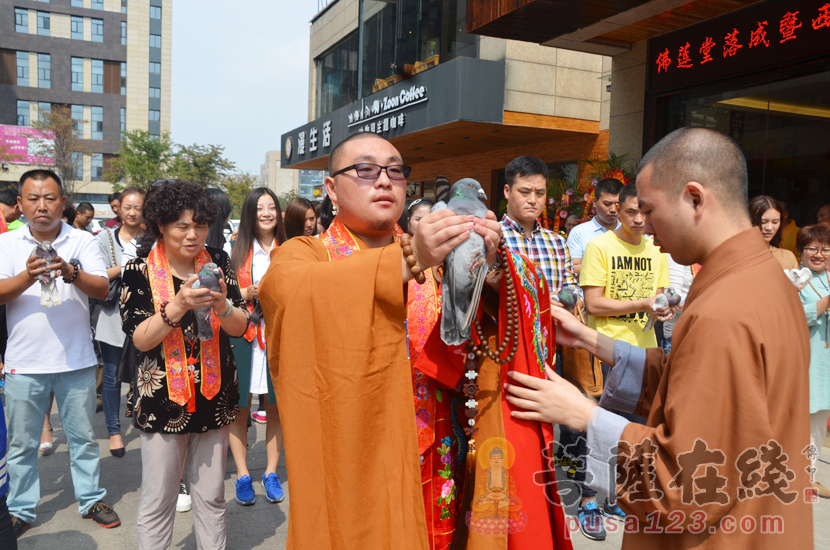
437, 445
515, 504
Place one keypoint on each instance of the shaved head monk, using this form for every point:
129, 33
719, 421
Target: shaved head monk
335, 312
723, 461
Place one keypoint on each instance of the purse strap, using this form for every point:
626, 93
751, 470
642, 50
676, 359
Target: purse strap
112, 247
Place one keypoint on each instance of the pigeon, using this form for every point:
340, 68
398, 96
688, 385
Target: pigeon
669, 298
49, 295
465, 267
799, 277
568, 297
209, 277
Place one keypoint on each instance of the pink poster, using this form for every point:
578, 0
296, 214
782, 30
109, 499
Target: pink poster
22, 144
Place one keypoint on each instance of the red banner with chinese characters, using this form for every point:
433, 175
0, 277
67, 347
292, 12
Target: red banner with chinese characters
762, 36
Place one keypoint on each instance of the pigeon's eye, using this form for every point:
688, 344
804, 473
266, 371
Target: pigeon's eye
471, 185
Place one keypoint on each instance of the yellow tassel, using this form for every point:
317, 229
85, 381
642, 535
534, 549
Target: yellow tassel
459, 539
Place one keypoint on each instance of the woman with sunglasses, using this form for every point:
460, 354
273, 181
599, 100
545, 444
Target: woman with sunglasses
813, 244
261, 230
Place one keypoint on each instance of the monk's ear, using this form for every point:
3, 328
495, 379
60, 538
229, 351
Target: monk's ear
329, 183
695, 194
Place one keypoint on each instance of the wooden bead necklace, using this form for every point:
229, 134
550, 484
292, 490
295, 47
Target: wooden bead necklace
411, 260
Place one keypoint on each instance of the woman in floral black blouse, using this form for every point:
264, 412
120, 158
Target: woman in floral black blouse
185, 389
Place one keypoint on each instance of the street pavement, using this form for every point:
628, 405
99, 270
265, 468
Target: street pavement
263, 525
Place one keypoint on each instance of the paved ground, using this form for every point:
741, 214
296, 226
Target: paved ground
263, 525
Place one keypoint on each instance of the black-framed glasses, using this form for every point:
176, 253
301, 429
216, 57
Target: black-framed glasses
369, 171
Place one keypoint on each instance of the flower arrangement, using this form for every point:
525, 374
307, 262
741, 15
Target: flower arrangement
575, 198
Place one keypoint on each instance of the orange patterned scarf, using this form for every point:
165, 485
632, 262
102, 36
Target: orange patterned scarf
181, 376
246, 278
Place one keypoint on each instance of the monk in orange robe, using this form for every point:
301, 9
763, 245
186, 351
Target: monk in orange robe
335, 312
723, 460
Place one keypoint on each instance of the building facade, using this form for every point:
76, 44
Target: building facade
108, 62
276, 179
453, 103
756, 71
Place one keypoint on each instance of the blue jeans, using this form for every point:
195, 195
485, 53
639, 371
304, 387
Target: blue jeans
667, 345
111, 389
27, 396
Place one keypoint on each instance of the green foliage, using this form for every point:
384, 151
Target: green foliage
287, 197
202, 163
599, 167
141, 160
237, 186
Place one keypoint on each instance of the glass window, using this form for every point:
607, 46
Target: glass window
43, 23
77, 28
123, 6
155, 41
123, 79
337, 76
397, 36
155, 116
98, 4
77, 3
780, 122
155, 12
77, 74
78, 118
22, 68
22, 113
123, 120
43, 107
97, 30
123, 33
44, 70
155, 92
97, 123
97, 166
78, 162
21, 20
97, 76
155, 68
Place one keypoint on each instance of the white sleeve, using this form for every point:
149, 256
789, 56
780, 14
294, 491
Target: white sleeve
227, 248
129, 253
89, 254
7, 256
575, 245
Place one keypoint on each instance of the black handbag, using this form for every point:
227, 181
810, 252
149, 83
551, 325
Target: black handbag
128, 363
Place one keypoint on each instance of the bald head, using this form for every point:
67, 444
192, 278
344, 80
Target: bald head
336, 156
698, 154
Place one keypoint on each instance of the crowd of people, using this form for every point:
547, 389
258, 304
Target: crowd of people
305, 309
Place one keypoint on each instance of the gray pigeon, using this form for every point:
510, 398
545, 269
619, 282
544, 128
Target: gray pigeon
465, 267
49, 295
670, 297
568, 297
208, 278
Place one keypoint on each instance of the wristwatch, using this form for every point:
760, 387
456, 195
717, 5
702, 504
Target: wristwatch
77, 265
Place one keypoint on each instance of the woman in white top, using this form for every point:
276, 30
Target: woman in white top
108, 328
260, 230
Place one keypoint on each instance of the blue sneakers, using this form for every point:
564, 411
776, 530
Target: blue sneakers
245, 491
612, 510
273, 488
590, 521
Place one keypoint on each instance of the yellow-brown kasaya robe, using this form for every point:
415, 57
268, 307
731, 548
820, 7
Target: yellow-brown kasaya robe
737, 382
338, 357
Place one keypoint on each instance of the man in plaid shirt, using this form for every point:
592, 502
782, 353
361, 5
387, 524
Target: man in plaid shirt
526, 191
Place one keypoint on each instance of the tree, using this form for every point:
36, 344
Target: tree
67, 148
202, 163
142, 159
237, 186
287, 197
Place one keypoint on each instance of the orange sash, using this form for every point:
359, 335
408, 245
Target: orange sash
4, 227
340, 242
181, 376
245, 277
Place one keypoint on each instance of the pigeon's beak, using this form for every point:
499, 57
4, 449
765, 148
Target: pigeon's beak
482, 195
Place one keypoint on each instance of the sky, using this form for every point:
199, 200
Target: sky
240, 74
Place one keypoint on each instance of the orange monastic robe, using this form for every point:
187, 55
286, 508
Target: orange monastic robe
337, 354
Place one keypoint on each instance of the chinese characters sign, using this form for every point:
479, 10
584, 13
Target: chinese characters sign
762, 36
22, 145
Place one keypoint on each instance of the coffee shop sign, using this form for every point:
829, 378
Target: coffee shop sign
368, 110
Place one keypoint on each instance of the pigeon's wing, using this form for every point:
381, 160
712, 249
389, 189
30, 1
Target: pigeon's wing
649, 323
440, 205
472, 305
448, 329
196, 284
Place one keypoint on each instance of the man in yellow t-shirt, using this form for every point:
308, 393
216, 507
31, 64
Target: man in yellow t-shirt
622, 274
